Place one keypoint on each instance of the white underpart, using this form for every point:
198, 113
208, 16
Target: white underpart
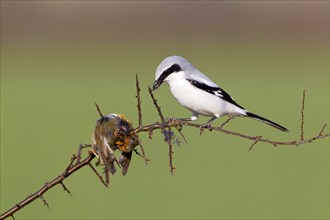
199, 101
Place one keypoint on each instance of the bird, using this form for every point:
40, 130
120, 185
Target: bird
113, 132
196, 92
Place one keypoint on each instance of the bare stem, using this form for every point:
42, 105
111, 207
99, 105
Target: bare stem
49, 185
138, 100
156, 104
98, 175
256, 139
166, 130
170, 149
302, 117
98, 110
174, 123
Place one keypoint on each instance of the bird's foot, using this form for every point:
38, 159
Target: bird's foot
205, 126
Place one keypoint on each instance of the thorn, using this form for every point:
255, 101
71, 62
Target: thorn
150, 134
98, 110
201, 130
230, 117
254, 143
179, 128
144, 156
65, 188
98, 175
44, 200
320, 134
47, 185
73, 158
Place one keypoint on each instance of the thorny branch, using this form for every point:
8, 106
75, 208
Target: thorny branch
138, 90
156, 104
166, 131
177, 122
256, 139
72, 167
138, 97
76, 163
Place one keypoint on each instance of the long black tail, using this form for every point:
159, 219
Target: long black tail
264, 120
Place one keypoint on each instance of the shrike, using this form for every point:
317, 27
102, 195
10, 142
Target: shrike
198, 93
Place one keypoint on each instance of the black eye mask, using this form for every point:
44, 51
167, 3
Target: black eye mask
174, 68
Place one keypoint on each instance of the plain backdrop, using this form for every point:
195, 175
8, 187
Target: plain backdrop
59, 57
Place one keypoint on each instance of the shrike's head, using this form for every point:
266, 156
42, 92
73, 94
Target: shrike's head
171, 67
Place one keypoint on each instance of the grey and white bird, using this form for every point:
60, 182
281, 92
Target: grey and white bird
198, 93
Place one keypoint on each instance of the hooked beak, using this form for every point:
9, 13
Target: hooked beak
156, 84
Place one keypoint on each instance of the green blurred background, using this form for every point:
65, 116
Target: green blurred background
59, 57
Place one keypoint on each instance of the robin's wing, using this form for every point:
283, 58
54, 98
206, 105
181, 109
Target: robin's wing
125, 160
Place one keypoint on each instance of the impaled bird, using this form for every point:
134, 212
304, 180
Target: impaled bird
113, 132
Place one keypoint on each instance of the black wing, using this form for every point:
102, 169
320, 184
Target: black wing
217, 91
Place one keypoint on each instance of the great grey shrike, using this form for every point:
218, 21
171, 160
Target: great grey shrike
198, 93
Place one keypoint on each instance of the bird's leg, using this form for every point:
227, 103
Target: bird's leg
184, 119
192, 118
208, 124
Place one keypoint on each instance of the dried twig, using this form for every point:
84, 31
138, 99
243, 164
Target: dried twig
230, 117
174, 123
166, 131
170, 149
138, 100
138, 97
73, 158
144, 156
178, 122
179, 129
65, 188
156, 104
99, 110
254, 143
58, 180
302, 117
44, 201
322, 130
98, 175
81, 146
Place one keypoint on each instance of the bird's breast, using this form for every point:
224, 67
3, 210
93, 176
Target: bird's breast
197, 100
